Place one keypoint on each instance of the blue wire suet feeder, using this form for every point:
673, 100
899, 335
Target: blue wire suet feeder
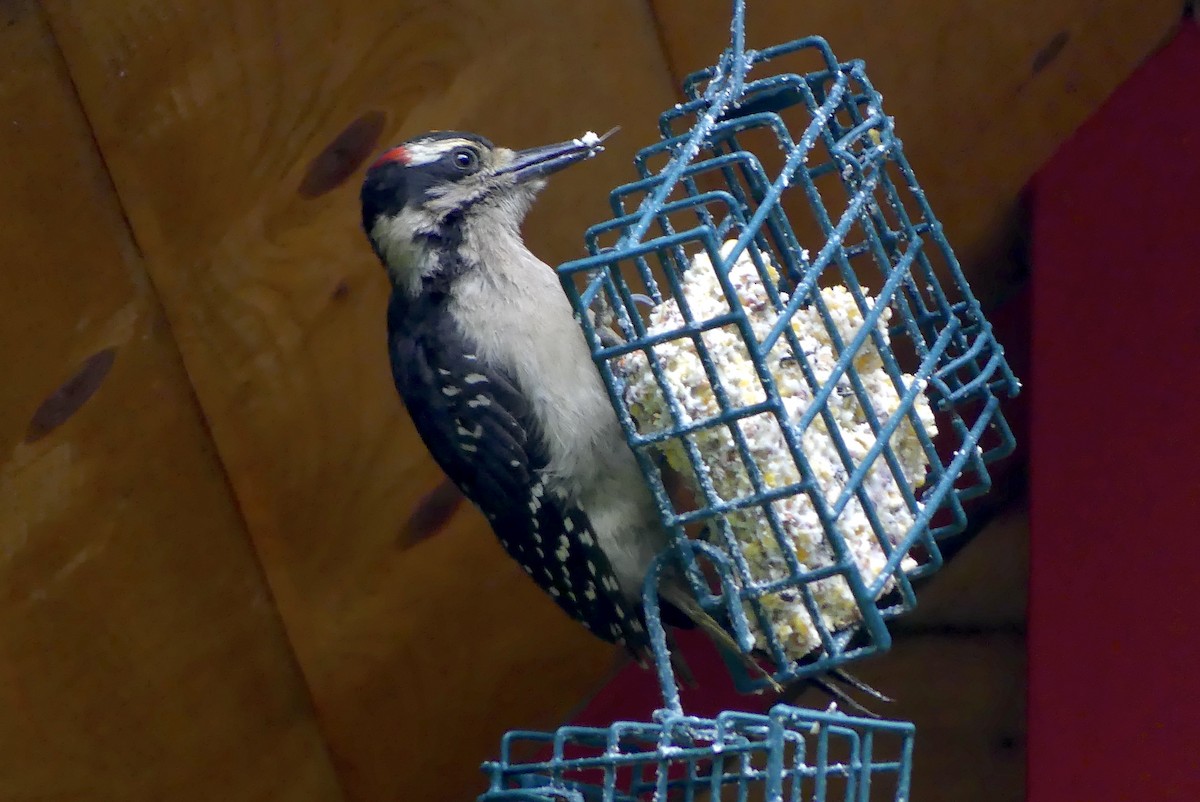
801, 157
786, 754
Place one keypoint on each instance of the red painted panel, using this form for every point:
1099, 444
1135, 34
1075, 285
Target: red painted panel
1114, 641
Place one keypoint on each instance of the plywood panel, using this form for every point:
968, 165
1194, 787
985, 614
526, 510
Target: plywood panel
982, 93
235, 133
140, 653
984, 587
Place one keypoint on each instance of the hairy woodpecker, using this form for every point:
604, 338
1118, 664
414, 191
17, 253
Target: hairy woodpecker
499, 382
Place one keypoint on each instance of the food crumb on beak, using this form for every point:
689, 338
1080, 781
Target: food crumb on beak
589, 140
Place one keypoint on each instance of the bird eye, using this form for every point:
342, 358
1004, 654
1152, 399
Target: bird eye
465, 159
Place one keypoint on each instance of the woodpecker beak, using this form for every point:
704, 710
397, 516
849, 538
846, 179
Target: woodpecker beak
533, 163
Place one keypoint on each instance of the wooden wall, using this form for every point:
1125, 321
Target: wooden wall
209, 582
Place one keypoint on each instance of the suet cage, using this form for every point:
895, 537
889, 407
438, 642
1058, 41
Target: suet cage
788, 753
796, 180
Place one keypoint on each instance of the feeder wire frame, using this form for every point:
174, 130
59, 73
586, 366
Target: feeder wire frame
958, 361
786, 754
789, 753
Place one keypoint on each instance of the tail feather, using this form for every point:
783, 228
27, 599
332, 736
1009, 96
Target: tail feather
682, 670
854, 682
830, 685
841, 697
686, 604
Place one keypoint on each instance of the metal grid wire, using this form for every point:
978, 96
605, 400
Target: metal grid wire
788, 754
802, 156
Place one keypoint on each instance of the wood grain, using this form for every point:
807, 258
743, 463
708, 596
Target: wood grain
982, 93
226, 126
140, 653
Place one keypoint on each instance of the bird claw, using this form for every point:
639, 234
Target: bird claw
643, 300
604, 319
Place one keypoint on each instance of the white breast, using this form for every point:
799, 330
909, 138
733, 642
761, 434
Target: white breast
521, 320
515, 309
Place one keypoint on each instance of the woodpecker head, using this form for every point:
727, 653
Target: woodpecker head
427, 196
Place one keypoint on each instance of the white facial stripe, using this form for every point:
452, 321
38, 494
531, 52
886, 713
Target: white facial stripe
429, 151
395, 237
404, 226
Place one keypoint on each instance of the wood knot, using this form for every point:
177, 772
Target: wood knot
342, 157
431, 514
1053, 49
64, 402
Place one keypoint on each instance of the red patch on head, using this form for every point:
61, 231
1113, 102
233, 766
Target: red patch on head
396, 154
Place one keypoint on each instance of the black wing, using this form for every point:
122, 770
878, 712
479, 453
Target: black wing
479, 428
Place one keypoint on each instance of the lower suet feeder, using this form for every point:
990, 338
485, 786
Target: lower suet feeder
786, 754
